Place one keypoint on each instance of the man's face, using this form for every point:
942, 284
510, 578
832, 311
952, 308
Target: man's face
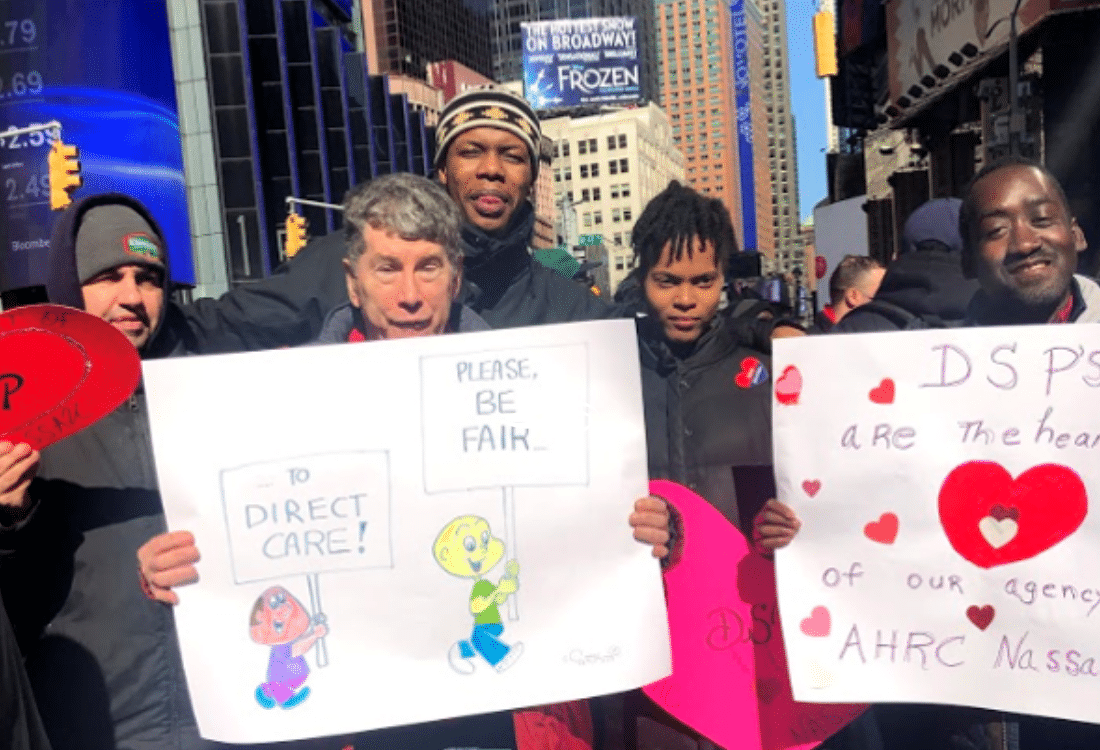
684, 294
1025, 241
280, 618
131, 298
403, 288
487, 172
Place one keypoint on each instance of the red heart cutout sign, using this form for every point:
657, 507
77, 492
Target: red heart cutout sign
730, 680
62, 370
992, 519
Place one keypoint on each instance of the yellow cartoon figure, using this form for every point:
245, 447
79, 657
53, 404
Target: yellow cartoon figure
467, 548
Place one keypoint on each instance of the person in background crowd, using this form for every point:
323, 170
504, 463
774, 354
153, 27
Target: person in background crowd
1021, 243
924, 287
853, 283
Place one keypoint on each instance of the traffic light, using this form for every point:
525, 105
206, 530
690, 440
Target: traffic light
64, 174
824, 44
295, 233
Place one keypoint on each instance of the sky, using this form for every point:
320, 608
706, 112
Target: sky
808, 105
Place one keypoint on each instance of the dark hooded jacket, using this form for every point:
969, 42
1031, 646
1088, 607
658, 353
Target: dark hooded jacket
501, 282
708, 417
921, 289
102, 658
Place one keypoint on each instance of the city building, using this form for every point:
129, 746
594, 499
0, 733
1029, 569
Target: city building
276, 102
925, 92
507, 42
606, 168
405, 36
723, 79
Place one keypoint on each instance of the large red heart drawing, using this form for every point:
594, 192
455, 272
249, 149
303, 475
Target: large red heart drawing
730, 680
992, 519
60, 370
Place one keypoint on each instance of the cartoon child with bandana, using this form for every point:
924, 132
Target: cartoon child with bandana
280, 621
467, 548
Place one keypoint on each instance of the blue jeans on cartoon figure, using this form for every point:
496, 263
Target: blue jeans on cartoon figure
484, 641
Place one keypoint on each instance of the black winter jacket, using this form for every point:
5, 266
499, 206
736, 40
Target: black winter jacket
708, 421
921, 289
101, 657
501, 282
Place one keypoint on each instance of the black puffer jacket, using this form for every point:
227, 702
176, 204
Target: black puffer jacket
501, 282
102, 658
706, 428
921, 289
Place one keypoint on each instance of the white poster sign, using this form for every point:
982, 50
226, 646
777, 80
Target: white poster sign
378, 509
945, 481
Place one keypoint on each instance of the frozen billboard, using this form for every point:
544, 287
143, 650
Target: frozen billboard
583, 61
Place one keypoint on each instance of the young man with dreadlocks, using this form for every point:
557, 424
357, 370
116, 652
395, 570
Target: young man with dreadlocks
707, 396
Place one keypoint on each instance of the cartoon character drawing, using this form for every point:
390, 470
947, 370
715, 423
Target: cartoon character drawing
279, 620
467, 548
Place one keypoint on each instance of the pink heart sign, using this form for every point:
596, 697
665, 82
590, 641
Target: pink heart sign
729, 679
60, 371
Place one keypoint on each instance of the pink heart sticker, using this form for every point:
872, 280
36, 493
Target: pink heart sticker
61, 370
730, 680
818, 624
811, 487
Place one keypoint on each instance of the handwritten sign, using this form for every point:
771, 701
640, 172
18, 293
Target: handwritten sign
730, 672
62, 371
308, 515
946, 481
339, 592
505, 418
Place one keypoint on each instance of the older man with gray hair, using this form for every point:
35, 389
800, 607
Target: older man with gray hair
403, 265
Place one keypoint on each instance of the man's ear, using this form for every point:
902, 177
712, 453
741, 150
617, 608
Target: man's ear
456, 283
852, 297
441, 174
1080, 244
349, 277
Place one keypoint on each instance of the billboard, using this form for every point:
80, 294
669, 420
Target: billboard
742, 90
577, 62
104, 71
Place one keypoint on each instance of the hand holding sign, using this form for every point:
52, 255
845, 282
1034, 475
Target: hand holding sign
62, 370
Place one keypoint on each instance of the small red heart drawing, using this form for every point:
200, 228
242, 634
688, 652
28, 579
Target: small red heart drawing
980, 616
789, 386
811, 487
884, 530
818, 625
883, 393
992, 519
61, 370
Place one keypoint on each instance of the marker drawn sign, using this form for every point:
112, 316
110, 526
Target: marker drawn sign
946, 547
62, 370
505, 418
308, 514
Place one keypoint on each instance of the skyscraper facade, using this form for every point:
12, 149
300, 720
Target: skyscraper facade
723, 79
507, 43
403, 36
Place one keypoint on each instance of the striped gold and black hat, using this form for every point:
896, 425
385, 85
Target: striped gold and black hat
488, 107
